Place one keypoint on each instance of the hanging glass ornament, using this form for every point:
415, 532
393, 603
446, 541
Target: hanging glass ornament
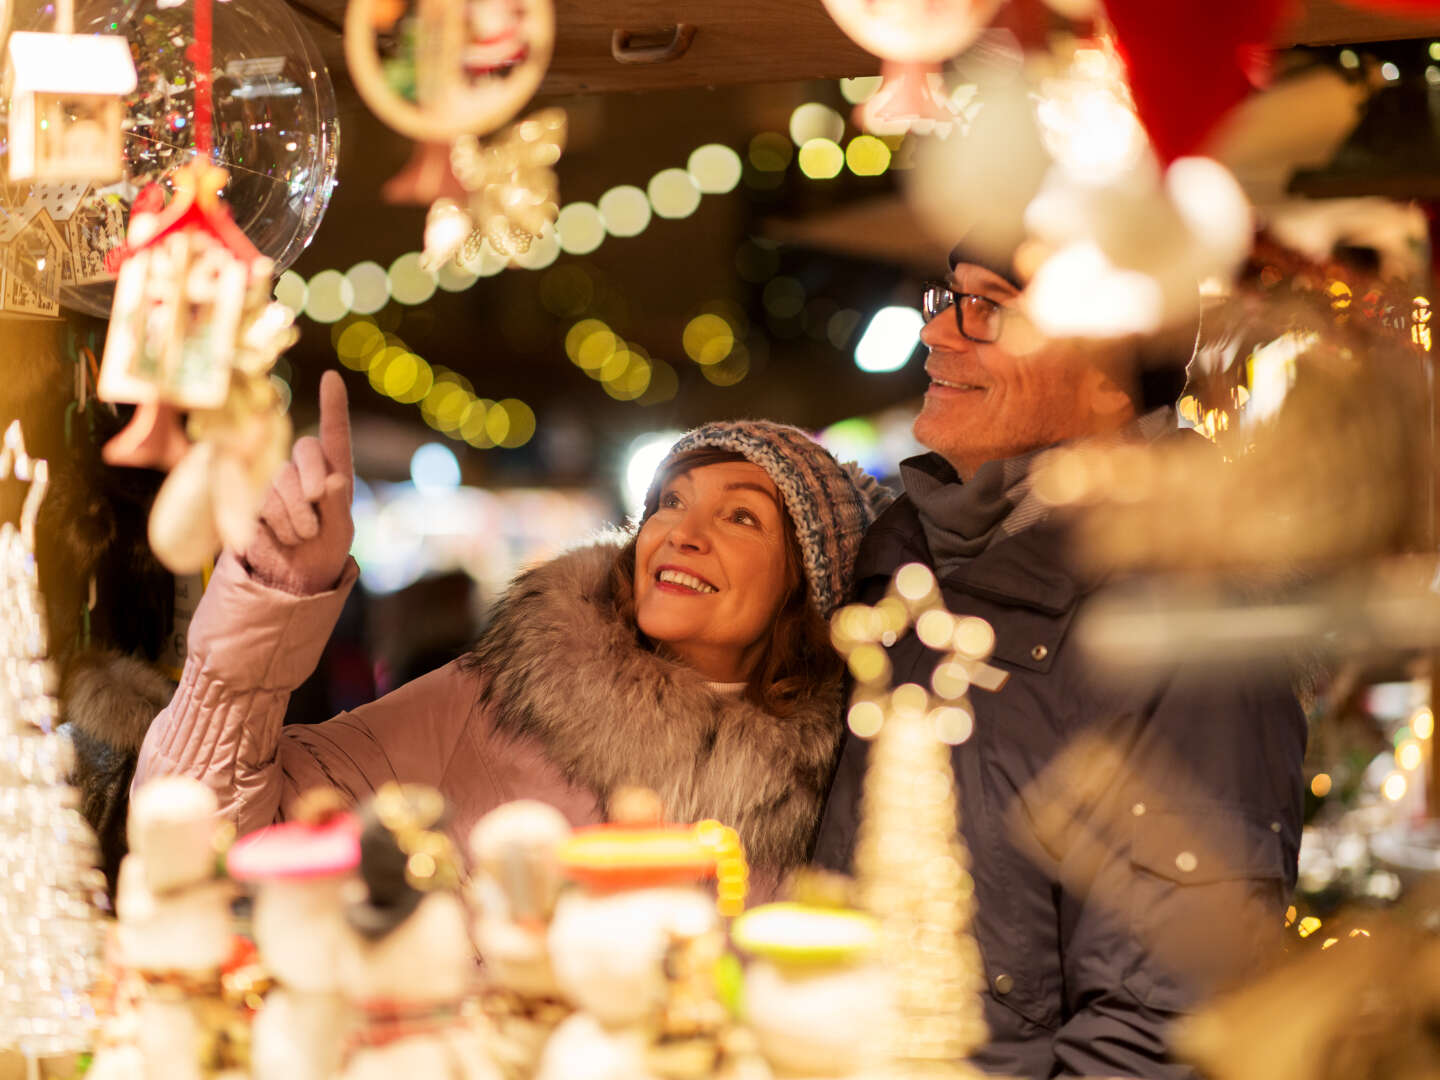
913, 38
274, 129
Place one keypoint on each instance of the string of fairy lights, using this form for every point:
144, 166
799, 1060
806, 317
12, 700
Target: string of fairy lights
714, 339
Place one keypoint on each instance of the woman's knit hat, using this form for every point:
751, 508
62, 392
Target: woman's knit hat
830, 504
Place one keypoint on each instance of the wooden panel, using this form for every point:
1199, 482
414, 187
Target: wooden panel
1330, 22
736, 41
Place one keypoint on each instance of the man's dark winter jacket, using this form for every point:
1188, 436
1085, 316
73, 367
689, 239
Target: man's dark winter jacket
1132, 848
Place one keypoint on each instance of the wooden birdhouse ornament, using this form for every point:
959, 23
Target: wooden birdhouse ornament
65, 93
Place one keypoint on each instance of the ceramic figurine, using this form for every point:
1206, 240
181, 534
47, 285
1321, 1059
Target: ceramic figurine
517, 877
635, 949
815, 997
300, 870
410, 966
174, 929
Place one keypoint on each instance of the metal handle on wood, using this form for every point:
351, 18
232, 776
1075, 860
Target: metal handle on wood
657, 46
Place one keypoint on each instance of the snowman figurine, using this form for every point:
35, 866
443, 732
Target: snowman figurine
516, 879
175, 931
410, 966
816, 1000
635, 950
299, 870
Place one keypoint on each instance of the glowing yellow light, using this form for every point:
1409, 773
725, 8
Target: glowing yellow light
673, 193
445, 400
615, 365
401, 375
935, 628
328, 297
821, 159
770, 152
357, 343
1339, 295
380, 363
424, 380
542, 252
707, 339
1320, 785
866, 718
473, 428
867, 156
1348, 59
815, 121
576, 335
1290, 914
730, 370
521, 423
597, 350
580, 228
859, 90
1394, 787
1408, 755
868, 663
632, 380
497, 422
411, 283
1328, 942
370, 287
291, 291
625, 210
715, 168
1423, 723
1308, 925
664, 384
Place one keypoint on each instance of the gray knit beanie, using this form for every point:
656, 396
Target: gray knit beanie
830, 504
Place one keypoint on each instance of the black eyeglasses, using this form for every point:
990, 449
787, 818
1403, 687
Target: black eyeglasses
976, 317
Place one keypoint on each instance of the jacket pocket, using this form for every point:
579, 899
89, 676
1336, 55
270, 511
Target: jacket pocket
1206, 901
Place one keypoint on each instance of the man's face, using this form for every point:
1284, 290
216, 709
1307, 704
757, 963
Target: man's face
985, 403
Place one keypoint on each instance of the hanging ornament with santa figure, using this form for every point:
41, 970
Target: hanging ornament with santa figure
913, 38
447, 73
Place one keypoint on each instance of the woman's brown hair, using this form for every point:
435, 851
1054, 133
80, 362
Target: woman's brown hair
797, 655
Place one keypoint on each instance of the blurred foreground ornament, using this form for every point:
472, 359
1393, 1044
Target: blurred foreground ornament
910, 857
513, 193
914, 38
50, 930
439, 69
1361, 1009
65, 93
194, 330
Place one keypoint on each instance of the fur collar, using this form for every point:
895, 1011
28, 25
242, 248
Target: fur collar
565, 669
112, 698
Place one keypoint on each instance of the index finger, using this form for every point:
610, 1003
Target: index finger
335, 425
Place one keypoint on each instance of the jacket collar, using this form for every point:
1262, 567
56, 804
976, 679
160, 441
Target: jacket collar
1030, 569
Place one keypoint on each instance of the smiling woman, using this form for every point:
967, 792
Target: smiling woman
690, 657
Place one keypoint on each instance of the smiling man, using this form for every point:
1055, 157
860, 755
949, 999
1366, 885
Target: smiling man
1131, 846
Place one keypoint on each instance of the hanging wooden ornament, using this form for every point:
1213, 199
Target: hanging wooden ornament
65, 92
439, 69
513, 192
913, 38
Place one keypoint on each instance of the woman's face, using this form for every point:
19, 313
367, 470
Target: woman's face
711, 571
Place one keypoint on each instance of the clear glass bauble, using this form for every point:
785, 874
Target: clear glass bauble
275, 126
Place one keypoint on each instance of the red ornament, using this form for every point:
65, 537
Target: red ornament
1191, 61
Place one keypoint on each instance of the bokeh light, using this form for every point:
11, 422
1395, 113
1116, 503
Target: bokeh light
642, 458
821, 159
889, 340
632, 379
410, 283
715, 168
452, 277
859, 90
625, 210
708, 339
815, 121
357, 343
433, 467
328, 297
673, 194
1394, 787
1320, 785
580, 228
730, 370
369, 286
770, 152
1422, 723
422, 380
867, 156
474, 425
1408, 755
784, 297
291, 291
519, 423
664, 384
